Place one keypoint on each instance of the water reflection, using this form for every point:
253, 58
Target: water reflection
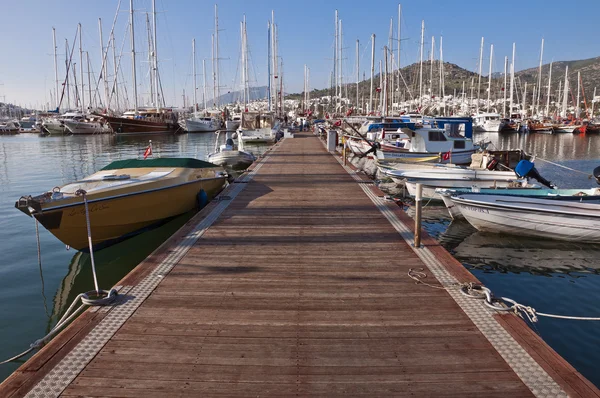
505, 253
112, 264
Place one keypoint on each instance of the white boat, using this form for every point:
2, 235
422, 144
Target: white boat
233, 123
227, 156
491, 122
199, 124
9, 128
56, 125
430, 188
442, 176
257, 128
89, 125
570, 220
565, 128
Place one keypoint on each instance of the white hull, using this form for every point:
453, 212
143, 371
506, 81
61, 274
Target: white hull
566, 129
489, 126
199, 126
256, 136
545, 218
54, 127
86, 127
430, 186
237, 160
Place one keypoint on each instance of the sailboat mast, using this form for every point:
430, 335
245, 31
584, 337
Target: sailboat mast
431, 57
593, 102
549, 86
269, 65
55, 68
132, 35
525, 113
204, 83
104, 61
577, 110
357, 70
115, 71
504, 87
490, 78
194, 74
421, 65
385, 94
212, 60
67, 67
398, 57
479, 78
155, 58
442, 80
372, 71
81, 70
273, 62
512, 80
565, 99
218, 83
150, 59
87, 56
539, 84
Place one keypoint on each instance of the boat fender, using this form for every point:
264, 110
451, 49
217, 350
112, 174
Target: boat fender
201, 199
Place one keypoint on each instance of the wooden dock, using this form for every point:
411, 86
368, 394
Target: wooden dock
295, 283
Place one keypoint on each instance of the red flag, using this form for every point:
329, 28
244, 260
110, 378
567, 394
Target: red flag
148, 152
446, 156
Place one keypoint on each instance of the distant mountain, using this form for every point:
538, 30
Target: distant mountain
455, 77
256, 93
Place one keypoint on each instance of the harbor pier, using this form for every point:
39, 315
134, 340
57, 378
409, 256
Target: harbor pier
295, 281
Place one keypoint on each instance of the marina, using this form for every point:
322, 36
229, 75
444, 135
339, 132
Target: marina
244, 218
295, 322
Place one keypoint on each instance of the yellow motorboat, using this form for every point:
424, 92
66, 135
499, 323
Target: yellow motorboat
124, 198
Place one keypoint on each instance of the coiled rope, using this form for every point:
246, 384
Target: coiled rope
97, 297
502, 304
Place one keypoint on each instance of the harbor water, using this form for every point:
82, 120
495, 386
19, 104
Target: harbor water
33, 297
554, 277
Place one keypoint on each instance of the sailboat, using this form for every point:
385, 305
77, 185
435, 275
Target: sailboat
145, 120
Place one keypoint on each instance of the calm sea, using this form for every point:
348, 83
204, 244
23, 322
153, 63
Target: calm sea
551, 276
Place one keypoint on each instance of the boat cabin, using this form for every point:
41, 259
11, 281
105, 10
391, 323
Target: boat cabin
257, 120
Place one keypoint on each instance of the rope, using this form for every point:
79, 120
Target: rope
92, 298
496, 303
68, 316
565, 167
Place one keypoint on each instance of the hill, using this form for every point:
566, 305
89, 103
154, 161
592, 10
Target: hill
455, 77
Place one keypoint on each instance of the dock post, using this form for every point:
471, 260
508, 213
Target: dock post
344, 151
418, 199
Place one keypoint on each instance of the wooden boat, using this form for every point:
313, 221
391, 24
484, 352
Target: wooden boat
571, 220
147, 121
124, 198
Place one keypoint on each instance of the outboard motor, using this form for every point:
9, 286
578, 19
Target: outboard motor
597, 174
525, 168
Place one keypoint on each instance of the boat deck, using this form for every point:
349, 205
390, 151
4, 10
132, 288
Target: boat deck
294, 283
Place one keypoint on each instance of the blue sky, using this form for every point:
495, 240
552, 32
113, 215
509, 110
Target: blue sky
305, 37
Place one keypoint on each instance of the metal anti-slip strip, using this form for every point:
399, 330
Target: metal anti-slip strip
526, 368
59, 378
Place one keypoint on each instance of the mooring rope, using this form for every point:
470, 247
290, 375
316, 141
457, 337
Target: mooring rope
565, 167
496, 303
97, 297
